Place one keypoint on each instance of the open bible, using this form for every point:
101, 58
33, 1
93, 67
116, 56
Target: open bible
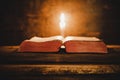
72, 44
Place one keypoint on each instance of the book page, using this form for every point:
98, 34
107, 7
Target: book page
69, 38
44, 39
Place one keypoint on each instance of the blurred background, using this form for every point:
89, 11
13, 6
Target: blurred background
23, 19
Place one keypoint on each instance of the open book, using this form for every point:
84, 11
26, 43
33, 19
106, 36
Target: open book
73, 44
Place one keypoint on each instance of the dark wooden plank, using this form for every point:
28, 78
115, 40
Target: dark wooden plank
59, 58
64, 77
60, 72
57, 69
11, 56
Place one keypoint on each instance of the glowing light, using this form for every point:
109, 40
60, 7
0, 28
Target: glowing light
62, 23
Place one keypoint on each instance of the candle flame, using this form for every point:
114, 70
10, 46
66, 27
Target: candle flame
62, 21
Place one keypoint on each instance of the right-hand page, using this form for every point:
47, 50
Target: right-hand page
75, 44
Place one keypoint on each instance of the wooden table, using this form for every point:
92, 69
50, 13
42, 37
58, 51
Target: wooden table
52, 66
